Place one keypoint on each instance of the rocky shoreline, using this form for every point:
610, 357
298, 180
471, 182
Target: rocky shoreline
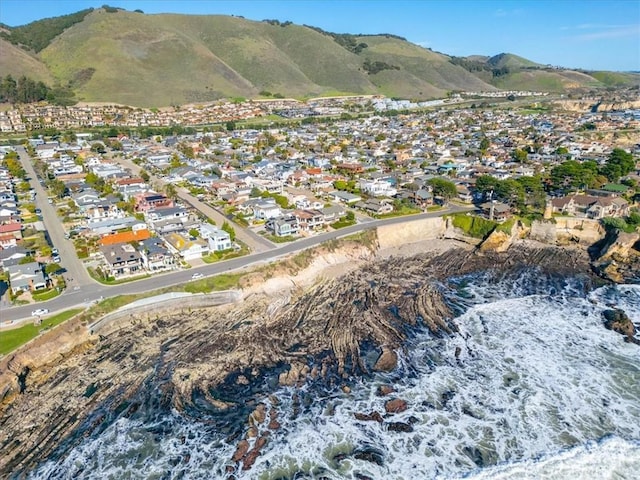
315, 325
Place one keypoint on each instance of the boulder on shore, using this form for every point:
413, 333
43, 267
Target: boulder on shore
369, 417
618, 321
396, 405
387, 361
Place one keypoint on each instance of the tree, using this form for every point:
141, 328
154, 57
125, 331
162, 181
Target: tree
486, 183
573, 174
484, 144
144, 175
619, 164
226, 226
58, 188
443, 188
98, 147
519, 155
170, 191
510, 191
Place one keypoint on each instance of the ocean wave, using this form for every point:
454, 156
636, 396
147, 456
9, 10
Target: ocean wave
532, 387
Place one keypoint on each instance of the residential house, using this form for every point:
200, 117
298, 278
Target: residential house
375, 206
590, 206
377, 188
421, 198
12, 255
101, 211
155, 255
121, 259
167, 213
217, 238
26, 277
186, 247
345, 197
464, 194
7, 241
86, 198
309, 220
266, 209
333, 213
14, 229
496, 211
111, 225
151, 200
283, 226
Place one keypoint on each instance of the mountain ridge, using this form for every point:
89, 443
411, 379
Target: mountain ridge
114, 55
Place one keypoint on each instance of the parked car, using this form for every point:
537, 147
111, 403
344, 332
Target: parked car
56, 258
197, 275
39, 312
54, 251
38, 211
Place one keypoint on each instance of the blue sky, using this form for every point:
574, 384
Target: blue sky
590, 34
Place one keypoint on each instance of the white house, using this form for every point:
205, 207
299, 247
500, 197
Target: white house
218, 239
377, 188
266, 210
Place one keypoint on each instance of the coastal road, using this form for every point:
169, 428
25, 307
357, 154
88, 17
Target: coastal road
68, 257
93, 291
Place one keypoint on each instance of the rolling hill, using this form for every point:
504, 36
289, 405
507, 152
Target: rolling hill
112, 55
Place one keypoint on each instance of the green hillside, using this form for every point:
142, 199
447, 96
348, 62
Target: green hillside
617, 78
545, 80
507, 71
419, 68
112, 55
18, 62
510, 60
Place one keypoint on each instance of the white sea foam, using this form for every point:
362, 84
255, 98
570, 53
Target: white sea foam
537, 384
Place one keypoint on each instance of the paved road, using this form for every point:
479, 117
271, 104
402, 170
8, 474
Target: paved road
93, 291
255, 242
68, 257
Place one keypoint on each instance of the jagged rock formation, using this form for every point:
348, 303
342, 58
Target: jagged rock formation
618, 257
180, 357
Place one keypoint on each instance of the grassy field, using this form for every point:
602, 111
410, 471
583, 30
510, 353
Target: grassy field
210, 284
472, 225
12, 339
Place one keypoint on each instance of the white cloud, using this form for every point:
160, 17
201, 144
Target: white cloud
610, 31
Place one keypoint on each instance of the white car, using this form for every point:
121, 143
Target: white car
196, 275
39, 312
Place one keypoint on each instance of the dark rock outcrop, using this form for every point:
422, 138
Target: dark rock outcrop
399, 427
618, 321
369, 417
397, 405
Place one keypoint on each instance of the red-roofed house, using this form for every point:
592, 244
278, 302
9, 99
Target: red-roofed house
14, 229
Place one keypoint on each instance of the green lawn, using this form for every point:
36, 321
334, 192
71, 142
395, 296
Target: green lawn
225, 281
12, 339
44, 296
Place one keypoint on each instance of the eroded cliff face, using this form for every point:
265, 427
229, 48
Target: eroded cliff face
340, 327
617, 257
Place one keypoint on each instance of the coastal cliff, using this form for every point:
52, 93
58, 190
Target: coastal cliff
343, 315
